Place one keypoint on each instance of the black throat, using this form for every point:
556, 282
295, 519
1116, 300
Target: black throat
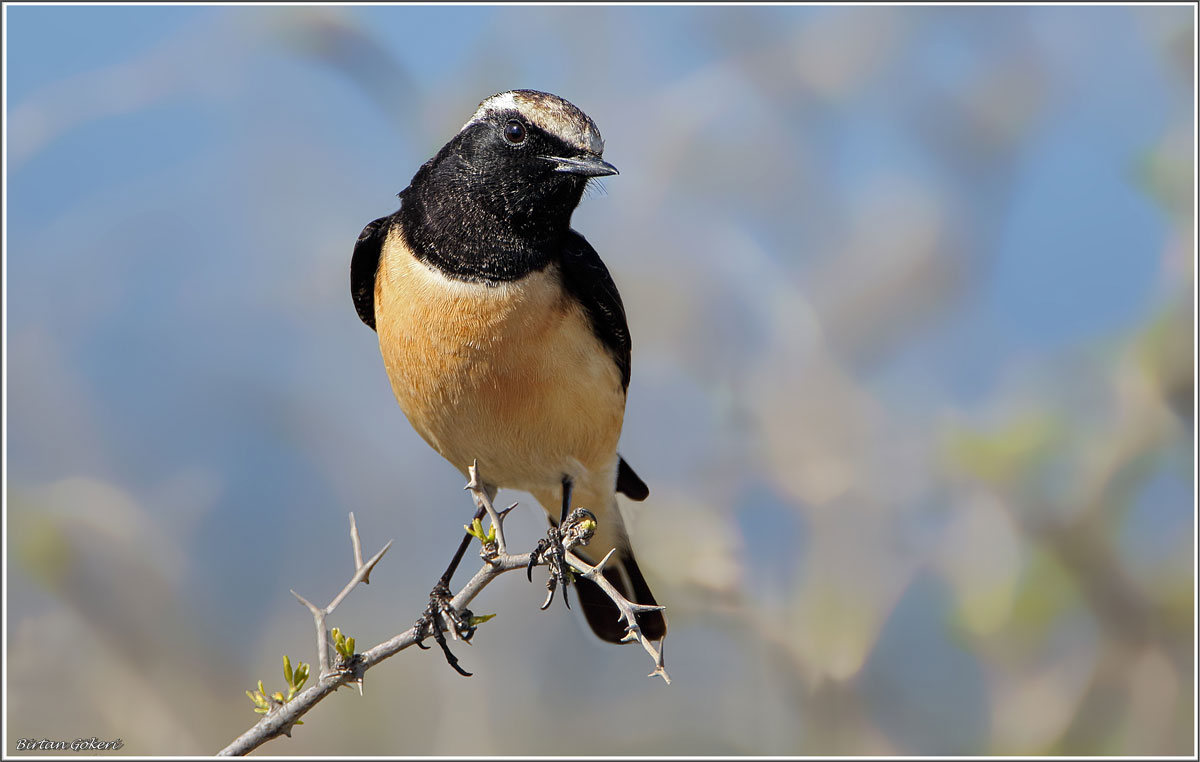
475, 229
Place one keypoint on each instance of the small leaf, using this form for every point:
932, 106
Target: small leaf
287, 669
349, 647
476, 530
477, 620
259, 699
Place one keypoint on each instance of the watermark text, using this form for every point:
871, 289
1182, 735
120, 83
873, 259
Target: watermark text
79, 744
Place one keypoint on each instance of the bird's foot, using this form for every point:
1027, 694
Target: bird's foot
552, 551
439, 616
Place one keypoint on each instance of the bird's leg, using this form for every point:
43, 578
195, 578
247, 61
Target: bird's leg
550, 551
441, 615
567, 485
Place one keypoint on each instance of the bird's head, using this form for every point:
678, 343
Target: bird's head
526, 155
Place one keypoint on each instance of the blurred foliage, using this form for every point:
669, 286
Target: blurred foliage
1000, 457
912, 296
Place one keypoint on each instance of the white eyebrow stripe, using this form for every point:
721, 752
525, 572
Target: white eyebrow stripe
500, 102
554, 116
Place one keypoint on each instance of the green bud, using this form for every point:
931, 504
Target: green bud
257, 698
287, 669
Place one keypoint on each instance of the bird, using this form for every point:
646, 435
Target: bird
502, 332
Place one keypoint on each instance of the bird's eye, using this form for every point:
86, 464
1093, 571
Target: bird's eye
514, 132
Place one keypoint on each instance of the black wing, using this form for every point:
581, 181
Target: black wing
363, 266
586, 278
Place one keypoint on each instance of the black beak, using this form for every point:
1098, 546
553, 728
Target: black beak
588, 165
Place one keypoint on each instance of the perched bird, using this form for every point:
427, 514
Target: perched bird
501, 330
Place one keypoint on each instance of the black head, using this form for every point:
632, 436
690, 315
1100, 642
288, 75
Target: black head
500, 194
528, 155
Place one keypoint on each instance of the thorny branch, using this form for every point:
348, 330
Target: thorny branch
628, 609
362, 573
280, 720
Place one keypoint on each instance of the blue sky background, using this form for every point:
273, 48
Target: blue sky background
900, 280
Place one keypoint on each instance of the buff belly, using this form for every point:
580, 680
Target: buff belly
511, 375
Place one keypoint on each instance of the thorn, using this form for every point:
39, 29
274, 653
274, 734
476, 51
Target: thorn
305, 601
599, 568
473, 472
369, 566
660, 672
639, 608
355, 542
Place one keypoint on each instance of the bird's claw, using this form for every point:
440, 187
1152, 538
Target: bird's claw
552, 551
441, 615
533, 560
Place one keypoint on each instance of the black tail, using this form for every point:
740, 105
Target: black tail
602, 614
